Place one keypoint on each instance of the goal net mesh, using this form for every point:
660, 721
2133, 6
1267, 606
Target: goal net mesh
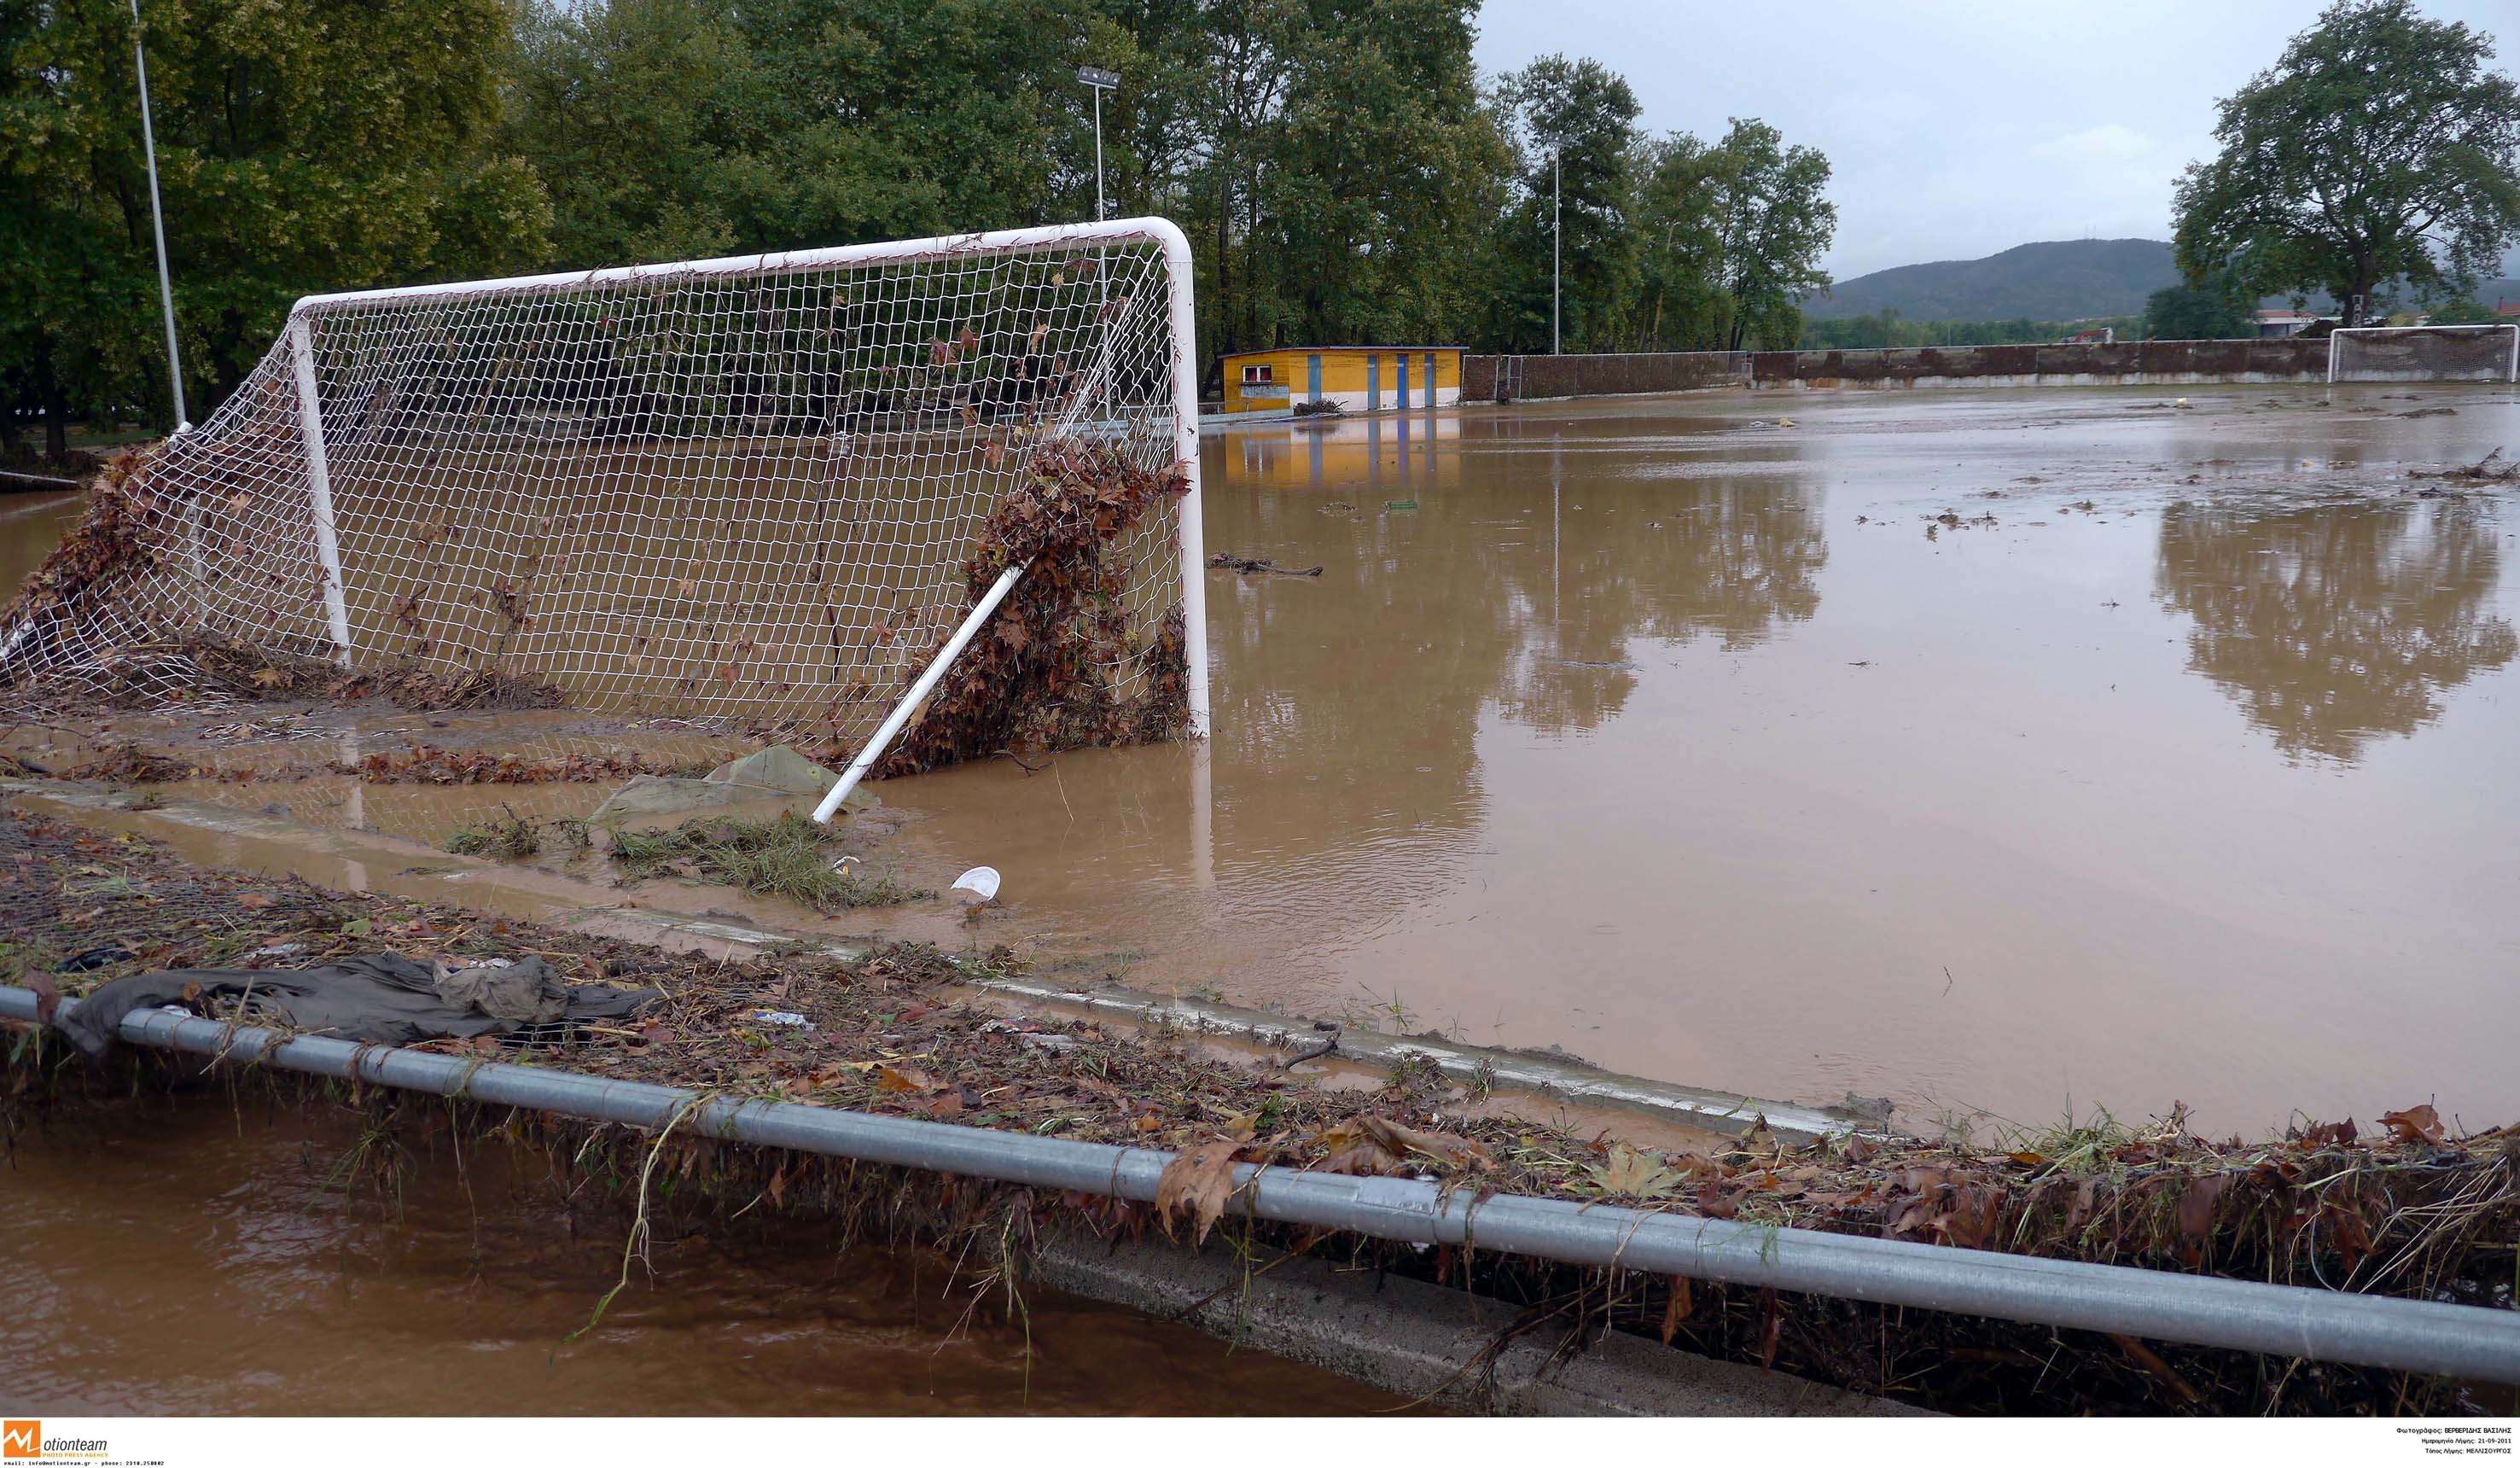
734, 488
2422, 354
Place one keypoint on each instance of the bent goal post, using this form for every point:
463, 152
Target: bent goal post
746, 488
2485, 353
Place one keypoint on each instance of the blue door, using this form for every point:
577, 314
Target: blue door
1313, 377
1403, 360
1374, 382
1430, 394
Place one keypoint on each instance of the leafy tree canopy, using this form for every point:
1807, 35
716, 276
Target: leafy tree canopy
2197, 313
301, 148
2379, 149
1344, 174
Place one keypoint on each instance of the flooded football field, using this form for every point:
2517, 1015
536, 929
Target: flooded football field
2000, 751
1993, 752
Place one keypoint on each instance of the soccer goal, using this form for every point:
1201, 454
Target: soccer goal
747, 486
2424, 354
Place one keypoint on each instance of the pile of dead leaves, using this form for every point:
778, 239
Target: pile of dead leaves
111, 547
419, 689
429, 765
131, 764
1199, 1183
1046, 673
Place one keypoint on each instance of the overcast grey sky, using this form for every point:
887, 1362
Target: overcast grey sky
1955, 129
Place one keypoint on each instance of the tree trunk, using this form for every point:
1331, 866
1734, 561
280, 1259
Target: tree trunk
2357, 299
55, 402
1224, 267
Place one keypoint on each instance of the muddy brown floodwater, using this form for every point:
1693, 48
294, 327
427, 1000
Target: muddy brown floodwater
2178, 767
2001, 751
180, 1258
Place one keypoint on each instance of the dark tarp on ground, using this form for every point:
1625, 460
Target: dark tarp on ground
382, 1000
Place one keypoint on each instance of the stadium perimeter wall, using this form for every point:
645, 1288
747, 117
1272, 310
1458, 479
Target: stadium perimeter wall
1506, 379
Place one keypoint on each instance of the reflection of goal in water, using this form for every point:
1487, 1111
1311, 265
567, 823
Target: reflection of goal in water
2424, 354
743, 485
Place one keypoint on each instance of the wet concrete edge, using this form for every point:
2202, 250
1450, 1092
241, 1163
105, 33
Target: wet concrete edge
1423, 1341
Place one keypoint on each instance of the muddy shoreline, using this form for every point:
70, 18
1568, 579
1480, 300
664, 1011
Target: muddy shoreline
885, 1036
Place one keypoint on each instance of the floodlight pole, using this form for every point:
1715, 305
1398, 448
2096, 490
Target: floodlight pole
158, 221
1100, 82
1556, 244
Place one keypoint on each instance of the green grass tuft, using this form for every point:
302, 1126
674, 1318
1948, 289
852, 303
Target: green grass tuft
787, 858
513, 839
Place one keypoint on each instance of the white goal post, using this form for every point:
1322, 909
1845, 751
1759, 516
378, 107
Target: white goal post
744, 486
2483, 354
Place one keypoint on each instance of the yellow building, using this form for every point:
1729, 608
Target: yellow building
1359, 378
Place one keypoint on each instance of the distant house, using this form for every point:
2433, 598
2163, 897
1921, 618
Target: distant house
2506, 308
1356, 379
2096, 336
2284, 322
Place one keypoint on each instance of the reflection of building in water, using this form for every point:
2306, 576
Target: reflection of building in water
1404, 452
2333, 625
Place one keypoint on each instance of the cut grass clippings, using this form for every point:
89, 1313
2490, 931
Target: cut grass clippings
790, 856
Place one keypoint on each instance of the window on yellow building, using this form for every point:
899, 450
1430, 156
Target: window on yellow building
1257, 373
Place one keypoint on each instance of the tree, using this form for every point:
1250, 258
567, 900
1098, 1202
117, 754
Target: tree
2209, 312
1776, 225
674, 129
2331, 631
300, 148
1341, 161
1574, 129
1679, 246
2464, 313
2379, 149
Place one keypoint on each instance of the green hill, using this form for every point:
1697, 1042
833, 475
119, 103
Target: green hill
2054, 280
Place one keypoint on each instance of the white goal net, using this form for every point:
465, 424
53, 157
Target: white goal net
2424, 354
745, 486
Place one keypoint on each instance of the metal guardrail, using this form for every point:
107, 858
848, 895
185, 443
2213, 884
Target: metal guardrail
2406, 1335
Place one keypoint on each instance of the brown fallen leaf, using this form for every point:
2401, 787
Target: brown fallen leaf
2417, 1123
1442, 1147
256, 900
1197, 1181
897, 1079
1631, 1174
1677, 1308
48, 997
2196, 1205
